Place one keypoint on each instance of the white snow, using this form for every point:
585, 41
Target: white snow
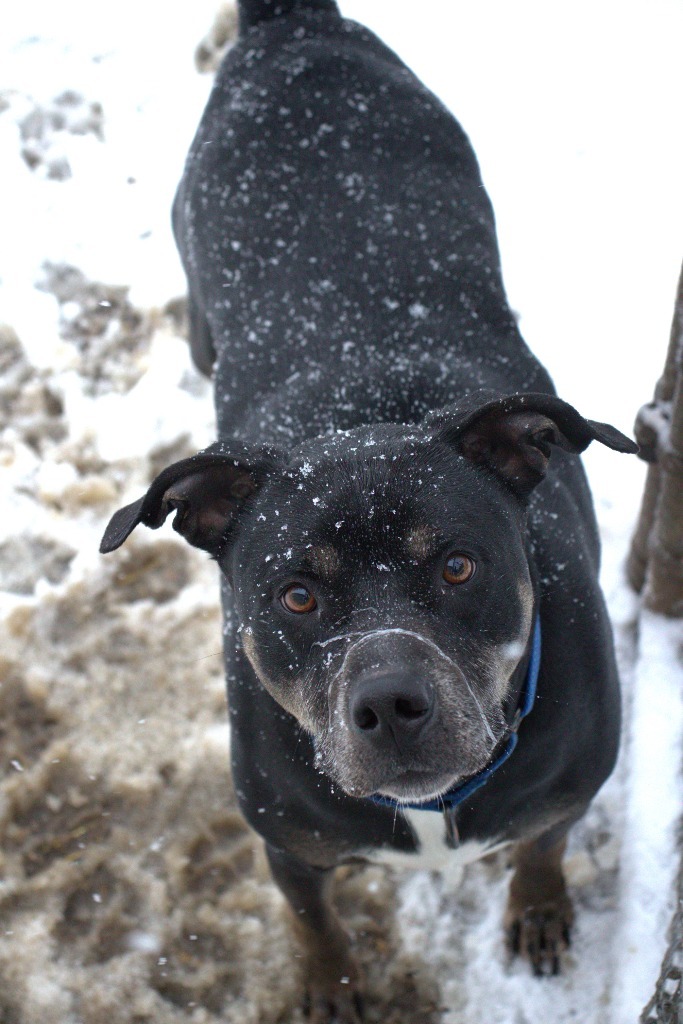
574, 110
652, 807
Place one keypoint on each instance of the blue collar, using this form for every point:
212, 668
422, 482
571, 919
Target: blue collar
459, 793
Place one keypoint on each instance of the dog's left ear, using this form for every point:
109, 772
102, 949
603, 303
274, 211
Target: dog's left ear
206, 491
513, 435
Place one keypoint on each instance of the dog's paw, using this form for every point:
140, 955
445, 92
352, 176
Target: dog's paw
540, 934
341, 1003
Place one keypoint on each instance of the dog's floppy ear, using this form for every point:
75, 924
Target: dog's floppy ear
205, 491
513, 435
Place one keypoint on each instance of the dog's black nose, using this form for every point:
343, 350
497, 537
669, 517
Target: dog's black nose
391, 708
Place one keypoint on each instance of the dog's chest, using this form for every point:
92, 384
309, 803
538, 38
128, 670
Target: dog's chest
433, 852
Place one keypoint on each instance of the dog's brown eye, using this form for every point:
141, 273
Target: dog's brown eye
458, 569
298, 599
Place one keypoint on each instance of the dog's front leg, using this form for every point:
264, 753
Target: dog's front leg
539, 913
332, 977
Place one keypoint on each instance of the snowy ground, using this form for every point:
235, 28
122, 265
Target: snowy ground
129, 889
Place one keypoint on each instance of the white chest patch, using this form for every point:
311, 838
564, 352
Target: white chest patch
433, 854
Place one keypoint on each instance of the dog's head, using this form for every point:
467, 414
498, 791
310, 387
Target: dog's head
381, 578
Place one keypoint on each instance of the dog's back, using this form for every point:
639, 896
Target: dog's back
332, 214
255, 12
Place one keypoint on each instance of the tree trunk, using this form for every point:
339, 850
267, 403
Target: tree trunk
655, 564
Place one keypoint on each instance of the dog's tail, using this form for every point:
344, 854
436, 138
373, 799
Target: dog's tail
252, 12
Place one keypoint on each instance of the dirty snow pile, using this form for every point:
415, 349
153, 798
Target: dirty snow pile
130, 889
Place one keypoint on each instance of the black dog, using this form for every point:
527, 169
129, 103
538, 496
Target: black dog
393, 537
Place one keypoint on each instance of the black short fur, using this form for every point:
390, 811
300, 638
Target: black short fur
380, 419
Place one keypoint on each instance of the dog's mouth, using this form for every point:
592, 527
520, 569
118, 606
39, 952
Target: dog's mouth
405, 786
425, 779
415, 786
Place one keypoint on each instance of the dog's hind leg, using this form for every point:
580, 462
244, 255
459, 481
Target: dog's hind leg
201, 343
332, 977
539, 913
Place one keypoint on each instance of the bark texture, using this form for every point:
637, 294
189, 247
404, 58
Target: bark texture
655, 565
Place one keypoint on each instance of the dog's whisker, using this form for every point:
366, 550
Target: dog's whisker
205, 657
482, 715
393, 825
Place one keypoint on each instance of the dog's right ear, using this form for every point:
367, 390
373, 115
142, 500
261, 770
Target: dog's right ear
205, 491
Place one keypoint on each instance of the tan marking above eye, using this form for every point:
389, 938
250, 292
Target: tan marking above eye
242, 488
298, 599
421, 542
324, 560
458, 569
